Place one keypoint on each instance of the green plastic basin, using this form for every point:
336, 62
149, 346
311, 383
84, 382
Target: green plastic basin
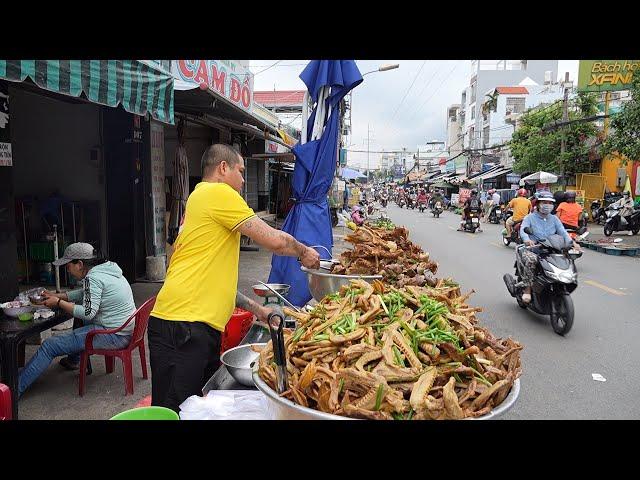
147, 413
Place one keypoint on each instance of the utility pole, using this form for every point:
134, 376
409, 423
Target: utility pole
367, 152
565, 117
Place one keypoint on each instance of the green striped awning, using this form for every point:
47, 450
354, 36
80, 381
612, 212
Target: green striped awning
138, 87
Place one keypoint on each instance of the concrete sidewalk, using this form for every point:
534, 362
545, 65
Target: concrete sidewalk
54, 396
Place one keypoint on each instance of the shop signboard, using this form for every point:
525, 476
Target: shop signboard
226, 78
6, 159
513, 178
451, 166
158, 198
606, 75
455, 198
343, 157
475, 165
464, 193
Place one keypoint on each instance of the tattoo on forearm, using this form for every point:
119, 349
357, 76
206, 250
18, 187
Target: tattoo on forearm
247, 304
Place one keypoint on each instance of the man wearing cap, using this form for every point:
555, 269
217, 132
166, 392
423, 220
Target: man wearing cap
105, 301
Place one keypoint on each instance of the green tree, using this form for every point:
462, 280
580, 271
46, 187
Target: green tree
536, 145
625, 127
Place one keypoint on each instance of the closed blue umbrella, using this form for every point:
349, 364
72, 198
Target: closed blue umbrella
327, 81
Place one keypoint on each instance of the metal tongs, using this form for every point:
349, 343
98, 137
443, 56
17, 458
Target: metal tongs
276, 325
330, 259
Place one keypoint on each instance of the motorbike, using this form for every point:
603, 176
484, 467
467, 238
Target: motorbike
599, 208
472, 222
515, 234
411, 203
401, 202
495, 216
422, 206
555, 279
581, 229
617, 223
436, 209
384, 200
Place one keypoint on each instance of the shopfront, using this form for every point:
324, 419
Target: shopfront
79, 163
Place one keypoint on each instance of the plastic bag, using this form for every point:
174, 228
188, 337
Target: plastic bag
225, 405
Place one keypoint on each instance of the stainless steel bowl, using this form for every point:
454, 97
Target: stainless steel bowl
262, 291
280, 408
323, 283
239, 360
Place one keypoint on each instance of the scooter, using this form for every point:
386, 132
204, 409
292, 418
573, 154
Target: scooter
411, 203
496, 214
472, 222
384, 200
437, 209
600, 208
515, 234
555, 280
617, 223
401, 202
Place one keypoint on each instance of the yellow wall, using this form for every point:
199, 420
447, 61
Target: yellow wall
609, 170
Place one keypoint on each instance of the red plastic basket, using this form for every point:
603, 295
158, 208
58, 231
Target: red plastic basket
236, 328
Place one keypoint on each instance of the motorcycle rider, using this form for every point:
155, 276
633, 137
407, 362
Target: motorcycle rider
543, 224
422, 197
437, 197
356, 215
521, 207
569, 212
471, 205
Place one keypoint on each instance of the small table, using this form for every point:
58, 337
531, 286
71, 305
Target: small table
12, 333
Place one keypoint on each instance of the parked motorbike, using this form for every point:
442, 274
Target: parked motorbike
472, 222
556, 277
599, 207
495, 215
618, 223
437, 209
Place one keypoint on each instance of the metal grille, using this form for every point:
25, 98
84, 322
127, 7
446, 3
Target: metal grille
515, 104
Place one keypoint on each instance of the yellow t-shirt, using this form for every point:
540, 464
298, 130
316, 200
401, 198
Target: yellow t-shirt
521, 207
202, 278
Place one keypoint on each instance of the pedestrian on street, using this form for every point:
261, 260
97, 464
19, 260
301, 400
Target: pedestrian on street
200, 290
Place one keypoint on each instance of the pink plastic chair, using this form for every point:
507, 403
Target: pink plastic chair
141, 316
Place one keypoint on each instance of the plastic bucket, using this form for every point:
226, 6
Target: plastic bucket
147, 413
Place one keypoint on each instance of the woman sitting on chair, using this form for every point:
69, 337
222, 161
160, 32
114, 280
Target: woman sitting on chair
105, 301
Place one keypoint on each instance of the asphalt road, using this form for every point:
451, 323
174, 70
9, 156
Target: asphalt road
557, 378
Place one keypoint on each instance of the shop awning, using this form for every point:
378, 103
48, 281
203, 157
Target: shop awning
491, 173
139, 87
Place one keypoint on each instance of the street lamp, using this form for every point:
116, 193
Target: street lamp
383, 68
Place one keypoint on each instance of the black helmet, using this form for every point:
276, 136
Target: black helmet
570, 195
474, 191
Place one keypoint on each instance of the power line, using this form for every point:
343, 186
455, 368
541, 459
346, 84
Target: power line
271, 66
407, 92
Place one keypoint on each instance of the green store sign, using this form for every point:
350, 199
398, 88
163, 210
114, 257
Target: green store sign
606, 75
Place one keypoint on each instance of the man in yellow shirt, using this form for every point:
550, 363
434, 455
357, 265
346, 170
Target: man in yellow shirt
200, 290
521, 207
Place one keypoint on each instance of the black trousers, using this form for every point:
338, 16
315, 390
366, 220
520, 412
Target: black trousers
183, 356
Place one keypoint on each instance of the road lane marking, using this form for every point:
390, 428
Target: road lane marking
593, 283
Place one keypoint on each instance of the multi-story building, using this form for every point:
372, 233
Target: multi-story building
454, 132
499, 121
489, 74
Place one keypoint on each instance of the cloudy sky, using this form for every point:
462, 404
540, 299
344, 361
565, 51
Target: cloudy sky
405, 107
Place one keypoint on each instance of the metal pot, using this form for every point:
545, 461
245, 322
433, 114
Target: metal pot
280, 408
239, 360
322, 283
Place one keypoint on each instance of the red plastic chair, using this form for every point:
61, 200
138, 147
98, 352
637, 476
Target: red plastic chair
5, 402
141, 316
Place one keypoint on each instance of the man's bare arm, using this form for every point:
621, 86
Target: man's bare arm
277, 241
247, 304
